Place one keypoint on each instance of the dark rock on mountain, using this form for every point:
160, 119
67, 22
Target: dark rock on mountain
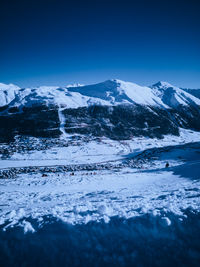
120, 122
38, 121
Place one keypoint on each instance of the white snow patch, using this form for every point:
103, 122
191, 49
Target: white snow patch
165, 221
27, 227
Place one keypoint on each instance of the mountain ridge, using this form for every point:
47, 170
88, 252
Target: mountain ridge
110, 92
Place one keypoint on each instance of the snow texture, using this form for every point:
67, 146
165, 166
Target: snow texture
103, 194
111, 92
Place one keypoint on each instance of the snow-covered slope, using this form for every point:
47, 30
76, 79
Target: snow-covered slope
194, 92
111, 92
46, 95
120, 92
173, 96
7, 93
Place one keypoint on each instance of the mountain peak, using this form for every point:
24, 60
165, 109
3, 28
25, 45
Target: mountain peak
4, 86
162, 84
117, 81
110, 92
74, 85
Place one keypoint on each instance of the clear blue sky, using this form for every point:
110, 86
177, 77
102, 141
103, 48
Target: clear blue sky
59, 42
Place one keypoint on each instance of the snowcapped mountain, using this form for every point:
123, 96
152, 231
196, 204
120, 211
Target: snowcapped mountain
7, 93
114, 108
173, 96
111, 92
117, 92
48, 95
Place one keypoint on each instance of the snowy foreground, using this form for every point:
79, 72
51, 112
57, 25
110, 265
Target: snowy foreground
102, 212
86, 197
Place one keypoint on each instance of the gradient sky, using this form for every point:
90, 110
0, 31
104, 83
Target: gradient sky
60, 42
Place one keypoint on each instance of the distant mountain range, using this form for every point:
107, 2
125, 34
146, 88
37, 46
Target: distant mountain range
111, 92
114, 108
